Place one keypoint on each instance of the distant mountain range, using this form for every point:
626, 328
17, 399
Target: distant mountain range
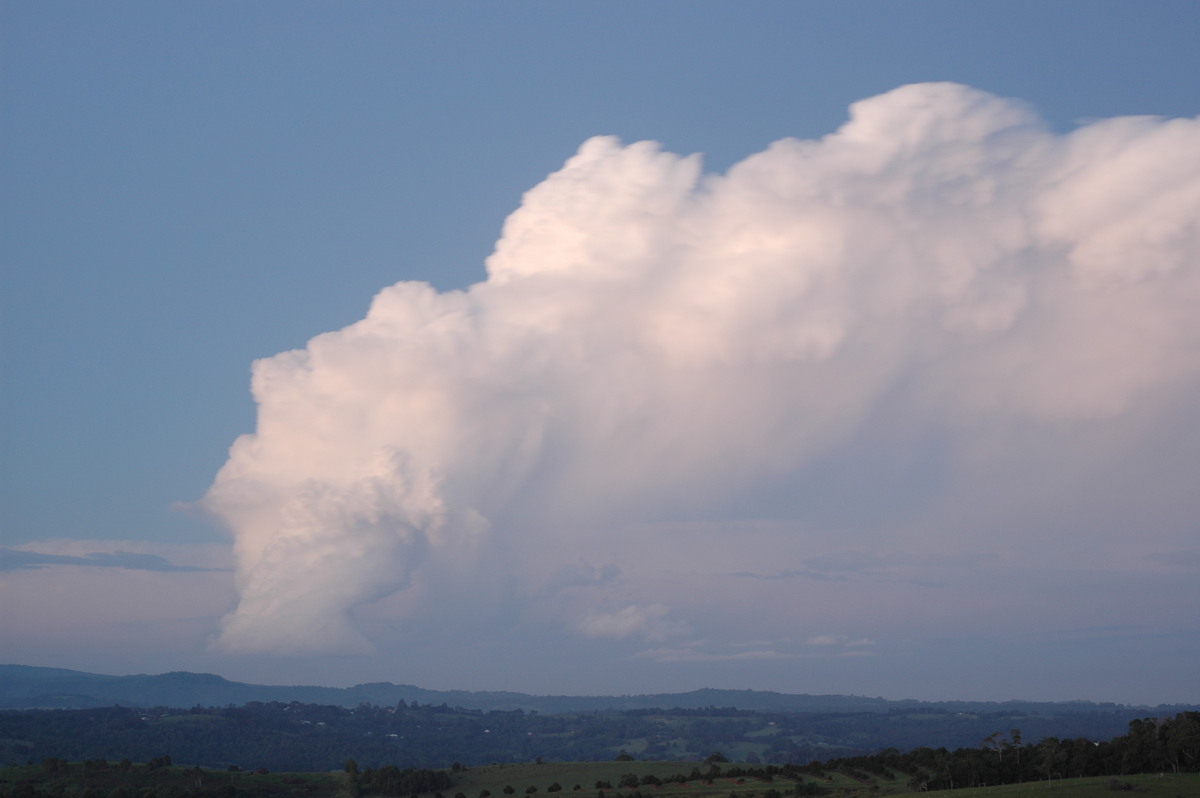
27, 687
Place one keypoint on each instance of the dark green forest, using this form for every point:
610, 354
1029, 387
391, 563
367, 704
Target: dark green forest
310, 737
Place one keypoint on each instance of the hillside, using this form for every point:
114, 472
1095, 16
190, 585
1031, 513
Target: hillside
27, 687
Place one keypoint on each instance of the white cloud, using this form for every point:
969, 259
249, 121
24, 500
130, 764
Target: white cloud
649, 621
656, 345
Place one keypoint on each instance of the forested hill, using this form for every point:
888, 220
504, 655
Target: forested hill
26, 687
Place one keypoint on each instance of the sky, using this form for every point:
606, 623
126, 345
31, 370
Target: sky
605, 348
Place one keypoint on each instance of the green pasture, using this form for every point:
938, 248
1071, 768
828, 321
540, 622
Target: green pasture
172, 780
471, 782
1165, 785
494, 778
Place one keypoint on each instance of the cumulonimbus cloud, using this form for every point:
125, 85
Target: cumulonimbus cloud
650, 336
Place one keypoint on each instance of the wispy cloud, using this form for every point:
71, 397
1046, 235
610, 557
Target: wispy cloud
649, 621
569, 576
1188, 559
693, 655
831, 567
840, 641
1095, 632
19, 559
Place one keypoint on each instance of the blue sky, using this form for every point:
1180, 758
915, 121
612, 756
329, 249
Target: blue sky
190, 187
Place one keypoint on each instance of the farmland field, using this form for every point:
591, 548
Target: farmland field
529, 780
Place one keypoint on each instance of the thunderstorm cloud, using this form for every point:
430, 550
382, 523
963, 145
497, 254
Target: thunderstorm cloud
940, 336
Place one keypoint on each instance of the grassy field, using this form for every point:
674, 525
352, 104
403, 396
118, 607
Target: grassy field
168, 782
137, 780
1168, 785
493, 779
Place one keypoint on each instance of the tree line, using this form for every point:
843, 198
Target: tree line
1150, 745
